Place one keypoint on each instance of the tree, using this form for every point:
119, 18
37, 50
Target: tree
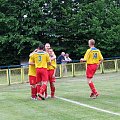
66, 24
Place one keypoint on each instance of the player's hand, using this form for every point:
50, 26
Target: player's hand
53, 76
98, 65
49, 63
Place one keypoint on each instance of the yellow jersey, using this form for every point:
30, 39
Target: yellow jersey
53, 65
40, 59
93, 56
32, 70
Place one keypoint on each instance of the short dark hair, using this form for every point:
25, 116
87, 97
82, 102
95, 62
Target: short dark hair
41, 47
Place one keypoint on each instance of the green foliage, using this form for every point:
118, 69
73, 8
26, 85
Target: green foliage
67, 25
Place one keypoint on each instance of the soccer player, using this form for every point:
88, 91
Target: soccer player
93, 59
47, 47
41, 59
51, 72
32, 77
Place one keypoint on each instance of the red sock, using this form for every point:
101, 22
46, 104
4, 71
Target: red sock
33, 92
92, 87
38, 88
43, 88
52, 90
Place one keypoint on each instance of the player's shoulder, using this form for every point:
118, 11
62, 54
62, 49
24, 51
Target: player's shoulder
88, 50
32, 54
46, 53
94, 49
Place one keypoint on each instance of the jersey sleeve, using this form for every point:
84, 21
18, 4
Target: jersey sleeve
100, 56
31, 59
86, 54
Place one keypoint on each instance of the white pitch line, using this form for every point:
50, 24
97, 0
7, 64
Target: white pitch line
88, 106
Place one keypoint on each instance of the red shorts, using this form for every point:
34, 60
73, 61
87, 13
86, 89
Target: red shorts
50, 76
41, 74
91, 69
32, 80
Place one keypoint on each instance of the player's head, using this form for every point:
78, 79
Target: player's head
47, 46
50, 51
41, 47
91, 42
63, 53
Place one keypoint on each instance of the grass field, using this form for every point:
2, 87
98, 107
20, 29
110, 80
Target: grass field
15, 102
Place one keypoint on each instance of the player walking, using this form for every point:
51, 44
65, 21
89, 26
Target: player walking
41, 59
93, 59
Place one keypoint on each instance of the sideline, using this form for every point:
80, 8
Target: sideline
88, 106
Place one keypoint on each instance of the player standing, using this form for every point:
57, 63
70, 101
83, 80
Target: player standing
93, 59
51, 72
32, 77
41, 59
47, 47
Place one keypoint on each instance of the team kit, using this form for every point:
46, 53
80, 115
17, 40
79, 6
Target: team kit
42, 69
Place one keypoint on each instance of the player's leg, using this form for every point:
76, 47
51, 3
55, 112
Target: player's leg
33, 92
44, 75
46, 95
52, 81
91, 69
39, 83
92, 87
52, 87
32, 80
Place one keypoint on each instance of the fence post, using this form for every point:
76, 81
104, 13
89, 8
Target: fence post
22, 74
9, 75
73, 69
116, 65
102, 68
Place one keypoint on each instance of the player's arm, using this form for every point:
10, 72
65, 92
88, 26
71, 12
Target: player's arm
55, 66
85, 56
31, 60
100, 58
54, 73
31, 63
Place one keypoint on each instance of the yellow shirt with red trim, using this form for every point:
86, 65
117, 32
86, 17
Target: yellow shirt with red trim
53, 65
32, 70
93, 56
40, 59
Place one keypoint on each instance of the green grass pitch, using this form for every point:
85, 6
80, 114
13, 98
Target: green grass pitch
15, 102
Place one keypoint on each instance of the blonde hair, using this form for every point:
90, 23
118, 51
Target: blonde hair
92, 41
47, 44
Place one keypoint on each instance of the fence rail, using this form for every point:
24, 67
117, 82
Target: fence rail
12, 75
